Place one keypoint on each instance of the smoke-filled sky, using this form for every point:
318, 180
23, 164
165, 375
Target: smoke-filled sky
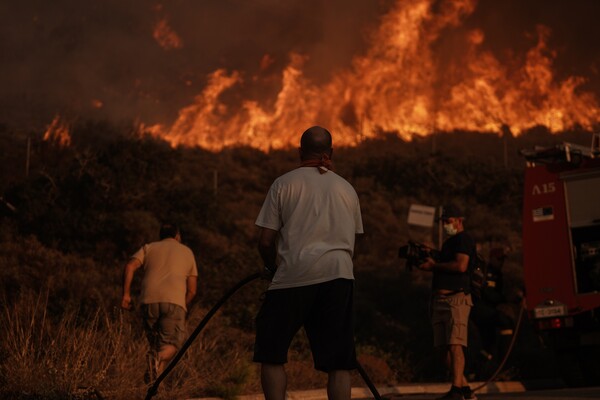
134, 60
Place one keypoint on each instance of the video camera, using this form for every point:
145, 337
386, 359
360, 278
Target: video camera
415, 254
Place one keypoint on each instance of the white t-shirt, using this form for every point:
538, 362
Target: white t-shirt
317, 216
167, 265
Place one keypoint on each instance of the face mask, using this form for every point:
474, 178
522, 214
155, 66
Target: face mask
450, 229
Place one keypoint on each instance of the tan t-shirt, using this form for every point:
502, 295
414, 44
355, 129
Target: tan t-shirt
167, 265
317, 216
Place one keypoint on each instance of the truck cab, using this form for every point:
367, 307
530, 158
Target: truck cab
561, 246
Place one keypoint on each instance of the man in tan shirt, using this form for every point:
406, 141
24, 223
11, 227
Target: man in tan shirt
168, 286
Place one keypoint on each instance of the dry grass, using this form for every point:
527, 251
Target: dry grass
102, 355
84, 356
64, 338
55, 358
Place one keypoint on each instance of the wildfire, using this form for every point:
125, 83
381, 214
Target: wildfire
58, 132
399, 85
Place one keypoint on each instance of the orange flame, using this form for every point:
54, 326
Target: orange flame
58, 132
399, 85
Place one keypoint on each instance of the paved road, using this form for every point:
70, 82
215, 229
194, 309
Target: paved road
494, 391
556, 394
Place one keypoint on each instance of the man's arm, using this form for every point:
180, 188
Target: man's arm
128, 273
267, 247
191, 283
460, 264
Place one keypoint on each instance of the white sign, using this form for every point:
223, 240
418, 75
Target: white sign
421, 215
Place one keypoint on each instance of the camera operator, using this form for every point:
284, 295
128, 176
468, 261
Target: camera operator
451, 299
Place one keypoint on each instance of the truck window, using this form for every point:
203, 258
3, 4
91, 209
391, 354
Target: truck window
583, 199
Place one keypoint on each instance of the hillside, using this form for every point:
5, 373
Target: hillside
71, 216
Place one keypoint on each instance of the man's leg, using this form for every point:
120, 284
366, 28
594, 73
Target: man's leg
274, 381
150, 317
338, 385
171, 331
165, 355
457, 365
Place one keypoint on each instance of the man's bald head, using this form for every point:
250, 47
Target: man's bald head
315, 142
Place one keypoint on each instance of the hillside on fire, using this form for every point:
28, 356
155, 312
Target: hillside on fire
72, 212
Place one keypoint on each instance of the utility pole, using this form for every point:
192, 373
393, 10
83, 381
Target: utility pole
505, 143
27, 157
439, 226
215, 181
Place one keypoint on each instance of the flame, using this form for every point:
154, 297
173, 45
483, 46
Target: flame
399, 85
58, 132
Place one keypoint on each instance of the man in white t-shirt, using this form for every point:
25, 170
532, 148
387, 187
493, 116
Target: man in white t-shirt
168, 286
308, 224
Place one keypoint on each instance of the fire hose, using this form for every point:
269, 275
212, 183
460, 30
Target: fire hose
152, 390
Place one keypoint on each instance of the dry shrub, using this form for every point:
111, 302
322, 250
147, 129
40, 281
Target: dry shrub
302, 375
377, 368
385, 368
55, 358
216, 364
75, 356
221, 358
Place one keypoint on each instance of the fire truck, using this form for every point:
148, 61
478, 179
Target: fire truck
561, 254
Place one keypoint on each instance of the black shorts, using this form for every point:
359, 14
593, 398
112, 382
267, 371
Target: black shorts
326, 312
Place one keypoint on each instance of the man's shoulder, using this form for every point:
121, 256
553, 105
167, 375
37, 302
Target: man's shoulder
288, 176
296, 172
460, 238
311, 176
464, 242
183, 247
168, 243
467, 237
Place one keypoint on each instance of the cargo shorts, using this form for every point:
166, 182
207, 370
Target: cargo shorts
450, 318
164, 323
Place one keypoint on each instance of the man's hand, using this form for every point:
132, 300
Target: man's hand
126, 302
427, 265
267, 247
128, 272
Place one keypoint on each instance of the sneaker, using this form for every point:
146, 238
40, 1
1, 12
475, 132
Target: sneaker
468, 394
455, 393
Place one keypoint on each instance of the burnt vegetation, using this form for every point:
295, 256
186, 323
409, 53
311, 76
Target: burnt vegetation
71, 216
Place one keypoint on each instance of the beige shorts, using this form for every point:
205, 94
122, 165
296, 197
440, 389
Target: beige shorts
450, 318
164, 323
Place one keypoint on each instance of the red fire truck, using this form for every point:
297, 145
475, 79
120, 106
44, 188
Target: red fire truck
561, 254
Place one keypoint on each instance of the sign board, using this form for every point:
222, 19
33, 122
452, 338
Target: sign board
421, 215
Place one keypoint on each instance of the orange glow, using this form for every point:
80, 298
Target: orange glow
266, 61
165, 36
97, 103
398, 85
58, 132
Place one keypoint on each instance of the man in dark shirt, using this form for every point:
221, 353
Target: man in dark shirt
451, 298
